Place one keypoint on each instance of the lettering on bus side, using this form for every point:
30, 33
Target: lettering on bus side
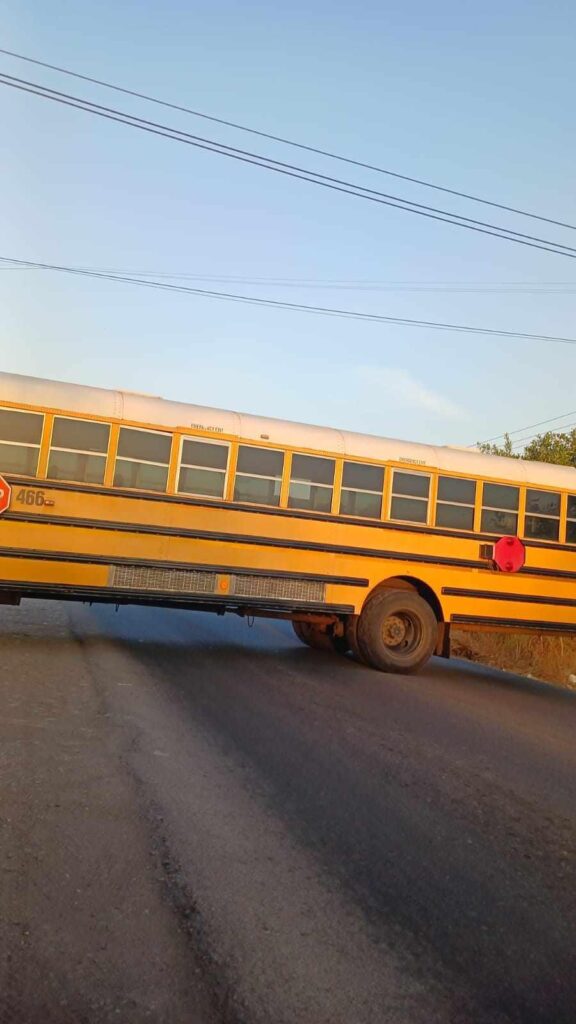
201, 426
32, 496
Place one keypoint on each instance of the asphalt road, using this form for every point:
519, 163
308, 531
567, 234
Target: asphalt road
205, 823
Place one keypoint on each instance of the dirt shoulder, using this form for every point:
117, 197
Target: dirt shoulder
550, 658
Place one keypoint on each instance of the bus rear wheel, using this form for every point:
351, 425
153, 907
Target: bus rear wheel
312, 635
397, 631
352, 639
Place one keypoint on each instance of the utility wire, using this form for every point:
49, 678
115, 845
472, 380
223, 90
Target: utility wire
293, 171
267, 162
280, 304
285, 141
320, 284
271, 164
529, 426
530, 437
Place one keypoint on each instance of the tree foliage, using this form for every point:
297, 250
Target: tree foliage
559, 448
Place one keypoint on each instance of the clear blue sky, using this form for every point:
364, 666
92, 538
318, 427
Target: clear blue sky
476, 96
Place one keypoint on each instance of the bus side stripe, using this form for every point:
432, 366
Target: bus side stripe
495, 623
261, 510
493, 595
264, 510
239, 538
277, 542
37, 554
107, 595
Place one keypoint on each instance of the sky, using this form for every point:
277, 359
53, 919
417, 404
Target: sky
475, 97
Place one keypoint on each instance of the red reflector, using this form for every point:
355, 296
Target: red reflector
509, 554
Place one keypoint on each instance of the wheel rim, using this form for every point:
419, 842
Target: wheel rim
402, 633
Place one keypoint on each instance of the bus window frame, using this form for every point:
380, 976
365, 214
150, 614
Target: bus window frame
143, 462
78, 451
340, 488
332, 488
457, 504
567, 518
179, 464
430, 499
256, 476
518, 512
542, 515
28, 444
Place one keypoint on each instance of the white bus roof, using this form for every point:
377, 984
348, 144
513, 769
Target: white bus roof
159, 412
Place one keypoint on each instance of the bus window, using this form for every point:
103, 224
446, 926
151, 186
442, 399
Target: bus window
571, 523
500, 509
78, 450
20, 436
203, 466
258, 475
410, 492
142, 460
361, 493
542, 520
311, 483
455, 503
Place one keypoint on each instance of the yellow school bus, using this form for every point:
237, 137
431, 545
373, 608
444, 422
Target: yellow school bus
367, 544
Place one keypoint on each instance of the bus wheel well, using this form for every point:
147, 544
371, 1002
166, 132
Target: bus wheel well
412, 583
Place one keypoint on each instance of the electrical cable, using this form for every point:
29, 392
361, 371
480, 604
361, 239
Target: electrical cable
286, 142
280, 304
550, 288
529, 426
522, 441
293, 171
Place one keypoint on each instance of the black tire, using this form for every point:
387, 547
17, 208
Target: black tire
351, 638
312, 635
397, 631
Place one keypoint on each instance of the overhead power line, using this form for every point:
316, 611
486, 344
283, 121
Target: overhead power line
285, 141
320, 284
254, 300
523, 441
290, 170
560, 429
530, 426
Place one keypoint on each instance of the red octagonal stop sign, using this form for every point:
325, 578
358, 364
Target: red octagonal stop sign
509, 554
5, 492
